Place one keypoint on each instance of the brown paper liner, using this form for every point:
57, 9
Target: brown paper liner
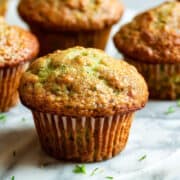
50, 41
163, 79
9, 83
3, 7
83, 139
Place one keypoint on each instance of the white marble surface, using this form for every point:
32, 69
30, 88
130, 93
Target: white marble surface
153, 133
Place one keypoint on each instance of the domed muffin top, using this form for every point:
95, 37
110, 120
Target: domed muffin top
16, 45
82, 82
153, 36
72, 15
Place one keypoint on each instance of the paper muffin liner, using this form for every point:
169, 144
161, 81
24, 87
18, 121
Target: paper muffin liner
9, 82
3, 7
82, 139
163, 79
50, 41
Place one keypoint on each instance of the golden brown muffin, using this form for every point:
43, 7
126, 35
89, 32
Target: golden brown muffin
86, 99
3, 7
61, 24
17, 48
151, 42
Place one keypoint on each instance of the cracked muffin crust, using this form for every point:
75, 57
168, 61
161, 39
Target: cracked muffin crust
82, 82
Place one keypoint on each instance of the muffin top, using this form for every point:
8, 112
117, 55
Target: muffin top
82, 82
16, 45
72, 15
153, 36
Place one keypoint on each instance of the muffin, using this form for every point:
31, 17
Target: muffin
3, 7
151, 42
17, 48
83, 102
60, 24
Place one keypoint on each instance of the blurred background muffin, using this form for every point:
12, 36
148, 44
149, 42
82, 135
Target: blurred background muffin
83, 102
62, 24
17, 48
151, 42
3, 7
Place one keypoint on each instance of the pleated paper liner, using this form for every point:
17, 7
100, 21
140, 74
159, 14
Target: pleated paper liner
50, 41
82, 139
9, 83
163, 79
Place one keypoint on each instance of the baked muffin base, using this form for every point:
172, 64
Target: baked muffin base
163, 79
51, 41
9, 83
82, 139
3, 7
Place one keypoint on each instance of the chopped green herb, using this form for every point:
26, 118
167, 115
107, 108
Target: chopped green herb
170, 110
178, 103
80, 169
94, 171
3, 118
63, 68
109, 177
142, 158
12, 178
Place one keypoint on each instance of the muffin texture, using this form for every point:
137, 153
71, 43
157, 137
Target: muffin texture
71, 14
85, 98
152, 43
83, 82
3, 7
73, 22
17, 48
